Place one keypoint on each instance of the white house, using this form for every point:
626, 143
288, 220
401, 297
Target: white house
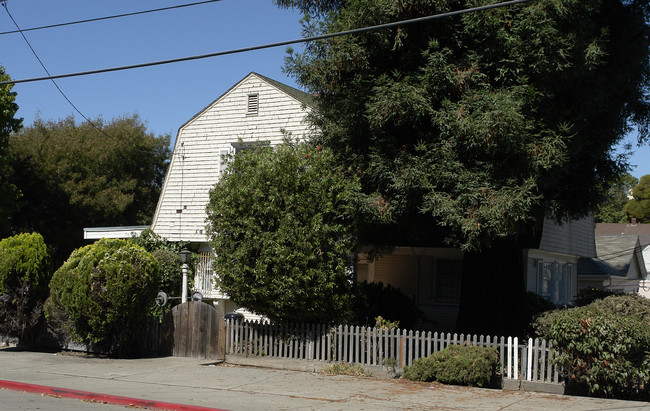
256, 109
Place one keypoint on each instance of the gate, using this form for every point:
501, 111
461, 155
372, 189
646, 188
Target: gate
194, 329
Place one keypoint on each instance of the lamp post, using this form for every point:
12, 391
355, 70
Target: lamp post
185, 258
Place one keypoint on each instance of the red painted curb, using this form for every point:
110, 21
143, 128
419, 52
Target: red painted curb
103, 398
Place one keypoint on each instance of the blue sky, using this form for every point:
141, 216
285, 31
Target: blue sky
165, 96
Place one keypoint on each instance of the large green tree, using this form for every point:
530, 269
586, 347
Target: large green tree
471, 129
639, 206
74, 175
281, 224
612, 210
8, 124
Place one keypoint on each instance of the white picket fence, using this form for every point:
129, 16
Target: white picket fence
387, 348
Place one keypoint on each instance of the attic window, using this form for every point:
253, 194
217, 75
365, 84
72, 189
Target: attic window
253, 104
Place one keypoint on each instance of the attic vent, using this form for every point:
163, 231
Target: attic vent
253, 104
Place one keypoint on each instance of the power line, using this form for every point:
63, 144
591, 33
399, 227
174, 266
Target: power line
272, 45
107, 17
4, 4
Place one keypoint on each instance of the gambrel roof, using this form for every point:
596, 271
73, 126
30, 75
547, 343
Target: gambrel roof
255, 109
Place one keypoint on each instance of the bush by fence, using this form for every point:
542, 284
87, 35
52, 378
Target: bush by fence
25, 271
458, 365
604, 346
102, 294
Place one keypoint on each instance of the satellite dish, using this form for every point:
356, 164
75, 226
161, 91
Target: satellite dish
161, 299
197, 296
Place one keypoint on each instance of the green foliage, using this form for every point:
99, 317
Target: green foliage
473, 128
25, 257
540, 325
378, 300
456, 364
166, 253
587, 296
75, 175
604, 346
280, 222
9, 194
639, 206
612, 210
102, 294
25, 271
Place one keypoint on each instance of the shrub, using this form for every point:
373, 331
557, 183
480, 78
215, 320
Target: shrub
456, 364
25, 271
166, 253
102, 294
587, 296
541, 324
604, 346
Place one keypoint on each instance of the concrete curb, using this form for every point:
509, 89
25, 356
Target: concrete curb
101, 398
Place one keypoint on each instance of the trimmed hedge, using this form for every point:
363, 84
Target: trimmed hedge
25, 271
102, 294
456, 364
25, 257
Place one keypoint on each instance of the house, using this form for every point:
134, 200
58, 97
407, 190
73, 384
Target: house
552, 268
432, 277
623, 259
256, 109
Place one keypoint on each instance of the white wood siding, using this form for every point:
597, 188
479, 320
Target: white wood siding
195, 165
576, 237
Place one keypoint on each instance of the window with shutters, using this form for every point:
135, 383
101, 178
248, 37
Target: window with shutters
253, 104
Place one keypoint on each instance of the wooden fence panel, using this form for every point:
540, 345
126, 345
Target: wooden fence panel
194, 329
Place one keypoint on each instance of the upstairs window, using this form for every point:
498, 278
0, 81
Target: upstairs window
253, 104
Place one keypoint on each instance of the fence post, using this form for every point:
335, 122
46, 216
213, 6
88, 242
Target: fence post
515, 360
509, 373
529, 363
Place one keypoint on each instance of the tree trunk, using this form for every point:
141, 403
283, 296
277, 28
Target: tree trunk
493, 291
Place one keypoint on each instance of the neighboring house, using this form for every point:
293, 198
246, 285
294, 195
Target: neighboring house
552, 268
256, 109
623, 260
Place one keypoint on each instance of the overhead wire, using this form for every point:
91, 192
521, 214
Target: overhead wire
70, 23
92, 124
272, 45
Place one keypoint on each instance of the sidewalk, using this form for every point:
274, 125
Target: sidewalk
174, 380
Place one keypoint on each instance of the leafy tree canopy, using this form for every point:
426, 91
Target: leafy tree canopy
612, 210
639, 206
281, 224
8, 124
474, 127
79, 175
